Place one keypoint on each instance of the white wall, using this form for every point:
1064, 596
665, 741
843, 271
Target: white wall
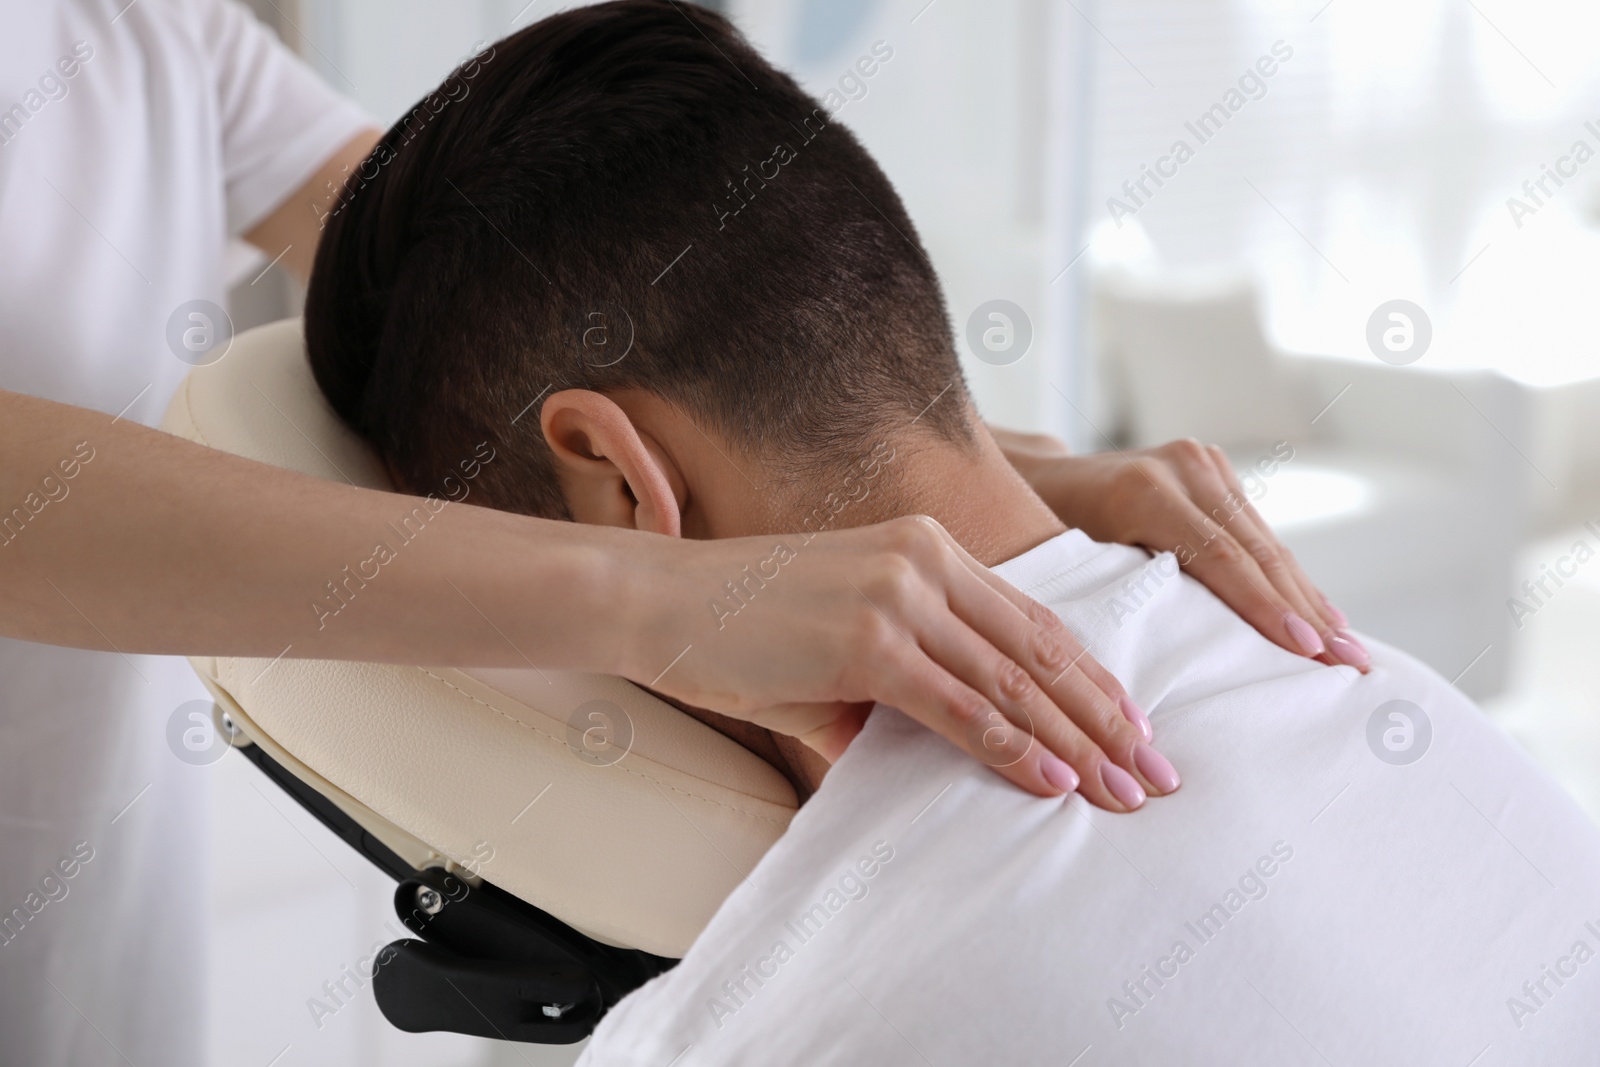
388, 54
964, 122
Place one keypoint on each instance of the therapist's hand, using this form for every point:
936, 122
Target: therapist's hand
898, 613
1184, 497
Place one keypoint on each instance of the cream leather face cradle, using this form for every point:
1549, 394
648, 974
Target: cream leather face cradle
635, 847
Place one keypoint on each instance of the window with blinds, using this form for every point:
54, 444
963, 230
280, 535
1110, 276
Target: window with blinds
1353, 152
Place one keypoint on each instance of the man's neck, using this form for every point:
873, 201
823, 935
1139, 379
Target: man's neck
972, 491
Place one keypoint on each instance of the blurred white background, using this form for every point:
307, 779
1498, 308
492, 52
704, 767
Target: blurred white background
1231, 301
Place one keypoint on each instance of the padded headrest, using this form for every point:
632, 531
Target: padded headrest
447, 766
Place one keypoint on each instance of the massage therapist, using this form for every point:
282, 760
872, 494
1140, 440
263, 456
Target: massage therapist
135, 141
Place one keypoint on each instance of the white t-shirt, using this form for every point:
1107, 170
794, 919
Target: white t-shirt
135, 139
1308, 896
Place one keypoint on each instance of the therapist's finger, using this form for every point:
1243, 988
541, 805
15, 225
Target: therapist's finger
1217, 483
1066, 719
974, 723
1206, 479
1050, 631
1037, 676
1225, 499
1223, 565
1234, 561
1285, 573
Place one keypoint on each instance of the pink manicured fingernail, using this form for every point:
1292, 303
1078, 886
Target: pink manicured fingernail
1057, 772
1155, 768
1121, 784
1303, 635
1136, 715
1339, 618
1346, 649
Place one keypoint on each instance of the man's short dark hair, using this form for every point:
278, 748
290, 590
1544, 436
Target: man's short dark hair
628, 177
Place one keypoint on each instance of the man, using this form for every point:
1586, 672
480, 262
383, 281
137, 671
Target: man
135, 140
705, 312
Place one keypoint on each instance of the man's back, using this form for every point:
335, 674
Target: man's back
1359, 869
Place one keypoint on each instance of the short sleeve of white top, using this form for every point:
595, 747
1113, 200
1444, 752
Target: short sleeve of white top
135, 140
278, 120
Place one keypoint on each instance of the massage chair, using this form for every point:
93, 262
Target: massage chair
556, 838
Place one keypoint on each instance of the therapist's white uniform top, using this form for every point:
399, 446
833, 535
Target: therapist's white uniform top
182, 123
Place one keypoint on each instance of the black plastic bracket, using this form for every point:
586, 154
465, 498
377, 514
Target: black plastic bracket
491, 964
420, 987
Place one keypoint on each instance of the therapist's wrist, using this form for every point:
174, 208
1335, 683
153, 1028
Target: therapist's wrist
588, 597
569, 596
649, 584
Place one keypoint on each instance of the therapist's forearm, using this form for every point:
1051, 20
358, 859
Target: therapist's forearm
158, 545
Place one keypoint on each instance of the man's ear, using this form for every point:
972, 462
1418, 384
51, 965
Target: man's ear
612, 474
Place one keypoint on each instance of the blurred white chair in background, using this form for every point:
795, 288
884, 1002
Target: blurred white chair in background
1397, 488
